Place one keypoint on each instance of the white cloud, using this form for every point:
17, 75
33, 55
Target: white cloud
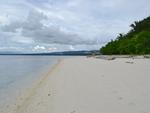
39, 48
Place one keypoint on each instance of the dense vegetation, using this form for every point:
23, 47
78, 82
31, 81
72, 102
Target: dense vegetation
136, 41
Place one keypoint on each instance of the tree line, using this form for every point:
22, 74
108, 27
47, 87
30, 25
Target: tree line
136, 41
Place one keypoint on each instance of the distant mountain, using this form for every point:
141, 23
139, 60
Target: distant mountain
136, 41
64, 53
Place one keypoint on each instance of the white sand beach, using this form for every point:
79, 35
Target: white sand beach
90, 85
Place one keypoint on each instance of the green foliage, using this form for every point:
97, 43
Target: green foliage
136, 41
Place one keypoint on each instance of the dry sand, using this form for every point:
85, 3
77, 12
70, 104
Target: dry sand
89, 85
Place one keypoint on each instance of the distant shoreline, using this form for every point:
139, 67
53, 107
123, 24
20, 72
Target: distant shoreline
63, 53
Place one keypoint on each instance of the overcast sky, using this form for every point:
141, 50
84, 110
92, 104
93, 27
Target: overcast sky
59, 25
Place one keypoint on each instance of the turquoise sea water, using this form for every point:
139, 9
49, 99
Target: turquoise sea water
18, 72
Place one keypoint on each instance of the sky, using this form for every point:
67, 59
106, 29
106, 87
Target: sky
64, 25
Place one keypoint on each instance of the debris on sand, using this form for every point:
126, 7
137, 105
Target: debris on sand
130, 62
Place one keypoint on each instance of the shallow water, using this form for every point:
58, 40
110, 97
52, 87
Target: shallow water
18, 73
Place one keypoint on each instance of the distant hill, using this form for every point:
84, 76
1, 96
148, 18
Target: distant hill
64, 53
136, 41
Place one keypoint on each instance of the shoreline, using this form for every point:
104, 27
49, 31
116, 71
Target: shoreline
24, 95
80, 84
29, 94
113, 57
